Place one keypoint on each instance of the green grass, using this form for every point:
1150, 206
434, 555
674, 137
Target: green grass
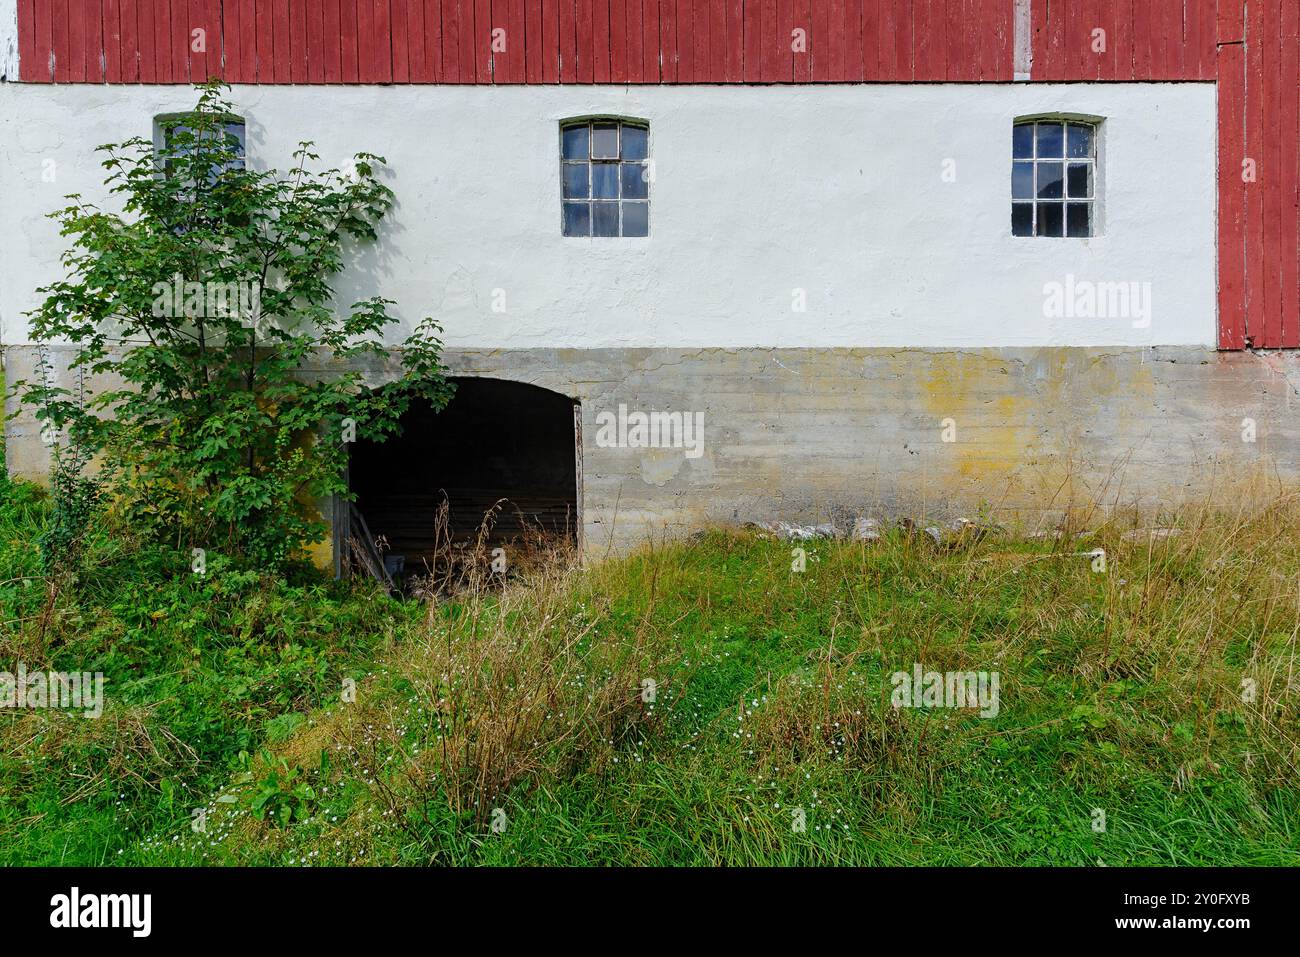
1119, 691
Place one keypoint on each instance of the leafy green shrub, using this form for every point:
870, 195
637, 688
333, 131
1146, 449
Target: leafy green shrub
207, 300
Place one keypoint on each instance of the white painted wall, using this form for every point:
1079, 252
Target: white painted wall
760, 190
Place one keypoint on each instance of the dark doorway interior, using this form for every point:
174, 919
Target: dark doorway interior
495, 440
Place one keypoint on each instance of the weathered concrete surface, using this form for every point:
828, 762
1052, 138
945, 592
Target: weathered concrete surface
815, 434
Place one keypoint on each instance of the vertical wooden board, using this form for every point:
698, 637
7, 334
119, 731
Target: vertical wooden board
905, 44
873, 20
349, 54
365, 34
93, 42
298, 41
735, 20
700, 40
491, 26
754, 34
416, 40
197, 19
818, 39
568, 40
247, 38
584, 55
685, 41
519, 29
1175, 46
997, 56
635, 36
717, 41
111, 31
1192, 39
78, 27
1143, 39
383, 51
533, 41
472, 38
801, 18
1111, 17
835, 40
1289, 171
1074, 50
278, 64
651, 65
156, 48
400, 38
955, 41
129, 21
26, 40
1271, 143
1255, 130
549, 42
264, 57
1229, 21
142, 62
925, 38
61, 42
853, 40
449, 18
179, 43
1230, 65
232, 63
433, 10
331, 43
43, 64
668, 53
886, 40
441, 15
618, 68
600, 41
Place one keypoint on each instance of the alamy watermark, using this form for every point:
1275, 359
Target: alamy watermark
947, 689
1086, 299
74, 691
206, 300
651, 430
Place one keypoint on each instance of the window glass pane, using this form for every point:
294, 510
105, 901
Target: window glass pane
1022, 219
604, 180
635, 143
634, 184
1079, 184
575, 142
1022, 180
575, 180
1049, 219
1080, 140
604, 219
604, 141
1049, 180
1022, 141
1076, 219
636, 219
1051, 139
577, 219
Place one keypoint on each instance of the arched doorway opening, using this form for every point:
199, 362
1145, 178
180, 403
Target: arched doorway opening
499, 446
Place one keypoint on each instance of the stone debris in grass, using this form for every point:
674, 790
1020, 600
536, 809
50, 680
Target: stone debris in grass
865, 530
791, 532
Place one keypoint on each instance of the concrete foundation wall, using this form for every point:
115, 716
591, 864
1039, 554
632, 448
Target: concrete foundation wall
817, 434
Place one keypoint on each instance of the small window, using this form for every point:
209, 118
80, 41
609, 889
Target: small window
1053, 178
605, 179
174, 132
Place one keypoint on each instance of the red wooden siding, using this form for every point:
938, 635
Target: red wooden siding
1251, 48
